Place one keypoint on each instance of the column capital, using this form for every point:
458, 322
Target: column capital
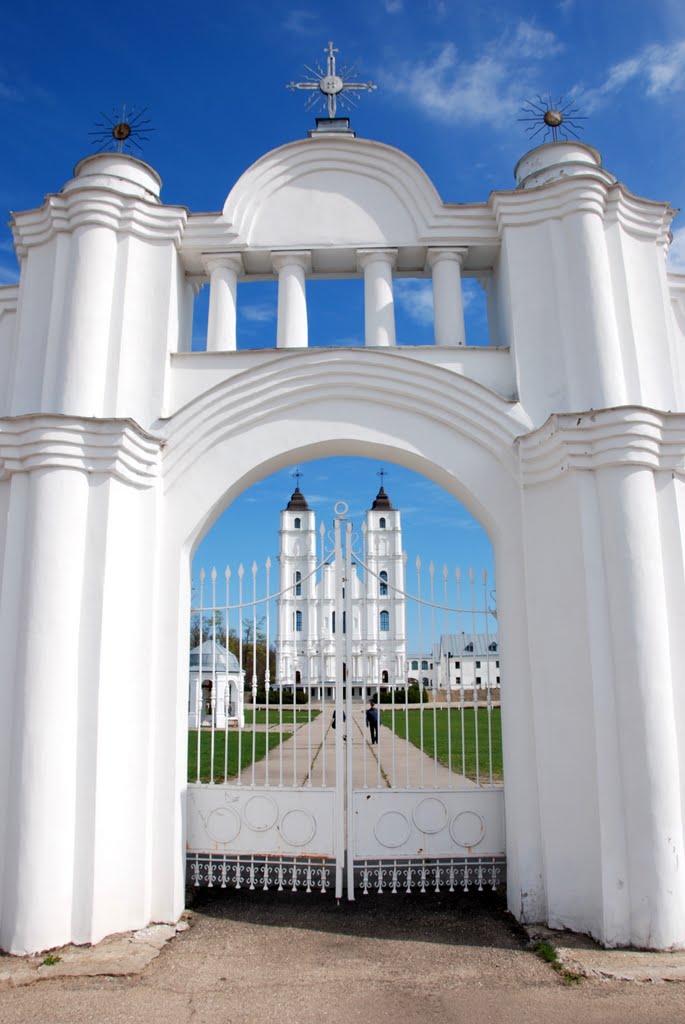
196, 282
453, 254
295, 257
366, 256
220, 260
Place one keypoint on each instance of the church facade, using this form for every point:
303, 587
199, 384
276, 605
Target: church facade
307, 616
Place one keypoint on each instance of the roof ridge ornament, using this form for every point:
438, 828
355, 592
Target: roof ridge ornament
555, 118
331, 84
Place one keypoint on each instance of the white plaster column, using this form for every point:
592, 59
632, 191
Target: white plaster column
223, 273
379, 305
645, 684
448, 303
292, 268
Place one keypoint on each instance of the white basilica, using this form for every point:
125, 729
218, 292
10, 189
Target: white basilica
305, 651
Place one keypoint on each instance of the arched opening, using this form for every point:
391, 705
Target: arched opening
482, 486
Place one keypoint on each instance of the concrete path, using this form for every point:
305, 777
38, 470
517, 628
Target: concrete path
263, 958
308, 758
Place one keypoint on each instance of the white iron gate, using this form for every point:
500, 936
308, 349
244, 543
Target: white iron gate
289, 792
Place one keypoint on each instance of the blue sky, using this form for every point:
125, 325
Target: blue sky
451, 76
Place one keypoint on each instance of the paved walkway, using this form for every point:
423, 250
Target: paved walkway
308, 758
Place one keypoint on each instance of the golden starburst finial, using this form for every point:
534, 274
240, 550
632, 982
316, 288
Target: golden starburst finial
121, 131
553, 117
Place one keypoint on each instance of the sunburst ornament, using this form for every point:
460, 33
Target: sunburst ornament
121, 131
553, 117
331, 84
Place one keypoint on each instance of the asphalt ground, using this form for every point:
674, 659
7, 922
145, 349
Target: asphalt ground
298, 958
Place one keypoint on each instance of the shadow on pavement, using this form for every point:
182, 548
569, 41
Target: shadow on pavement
450, 919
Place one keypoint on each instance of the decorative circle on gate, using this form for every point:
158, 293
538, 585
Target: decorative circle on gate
340, 508
392, 829
260, 813
430, 815
223, 825
467, 829
297, 827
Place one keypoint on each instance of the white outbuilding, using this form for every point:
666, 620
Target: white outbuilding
216, 687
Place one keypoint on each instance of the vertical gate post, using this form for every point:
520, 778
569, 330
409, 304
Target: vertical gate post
346, 641
340, 724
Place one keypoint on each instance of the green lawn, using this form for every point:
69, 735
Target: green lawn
260, 739
440, 731
259, 717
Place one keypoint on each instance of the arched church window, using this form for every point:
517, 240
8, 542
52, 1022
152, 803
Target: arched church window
384, 584
385, 622
414, 665
493, 646
384, 677
298, 584
298, 622
298, 678
297, 524
424, 666
381, 523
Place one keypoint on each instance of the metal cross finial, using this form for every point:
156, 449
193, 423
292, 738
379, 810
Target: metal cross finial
297, 474
382, 473
331, 84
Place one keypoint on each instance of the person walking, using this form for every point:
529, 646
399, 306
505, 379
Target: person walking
372, 721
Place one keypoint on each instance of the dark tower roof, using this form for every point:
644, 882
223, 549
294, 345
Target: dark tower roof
381, 502
298, 502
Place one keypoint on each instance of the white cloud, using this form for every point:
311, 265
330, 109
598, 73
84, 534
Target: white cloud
416, 299
302, 22
676, 254
258, 314
660, 70
393, 6
488, 89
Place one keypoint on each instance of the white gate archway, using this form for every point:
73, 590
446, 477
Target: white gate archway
119, 446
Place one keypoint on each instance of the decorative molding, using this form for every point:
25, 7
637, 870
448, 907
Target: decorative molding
385, 378
643, 218
626, 436
116, 447
9, 297
98, 207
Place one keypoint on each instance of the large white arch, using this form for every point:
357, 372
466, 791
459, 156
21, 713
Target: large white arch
455, 432
333, 192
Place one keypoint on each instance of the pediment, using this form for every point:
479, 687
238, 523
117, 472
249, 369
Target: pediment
332, 192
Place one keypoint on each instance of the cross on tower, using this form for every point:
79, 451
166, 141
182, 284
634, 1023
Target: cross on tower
331, 84
382, 473
297, 474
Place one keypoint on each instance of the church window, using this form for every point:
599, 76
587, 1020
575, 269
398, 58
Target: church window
298, 584
424, 666
384, 584
497, 663
298, 678
457, 664
385, 622
424, 681
297, 524
477, 680
477, 664
385, 677
469, 648
493, 646
414, 665
381, 523
333, 623
298, 622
